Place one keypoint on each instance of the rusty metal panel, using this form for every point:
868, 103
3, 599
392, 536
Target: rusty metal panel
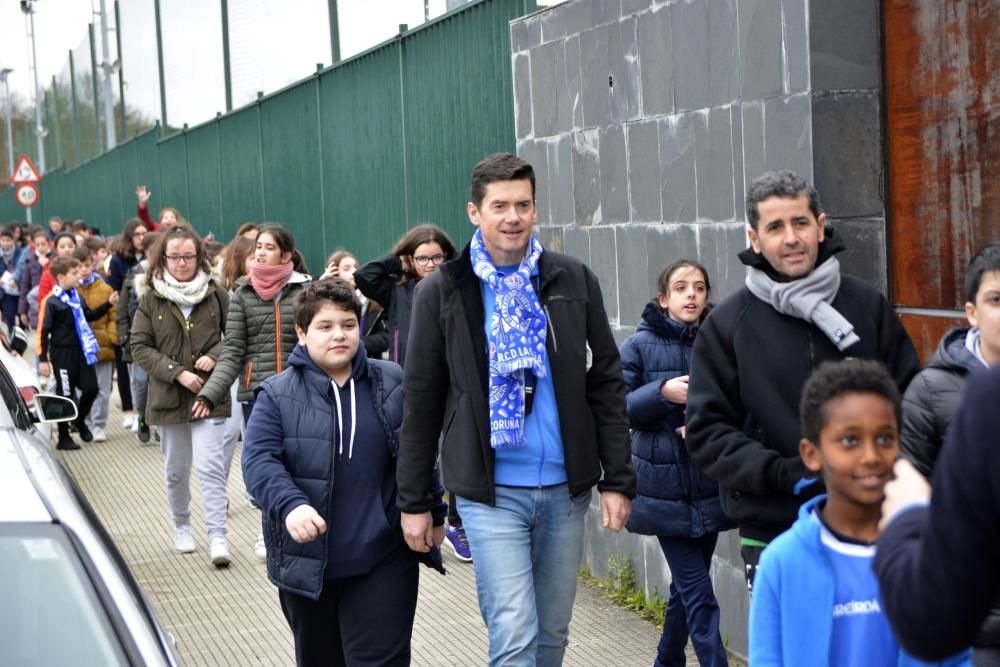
942, 62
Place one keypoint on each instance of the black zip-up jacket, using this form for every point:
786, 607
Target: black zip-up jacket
381, 280
59, 327
747, 372
445, 380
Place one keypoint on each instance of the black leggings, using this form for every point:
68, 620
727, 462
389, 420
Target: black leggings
124, 386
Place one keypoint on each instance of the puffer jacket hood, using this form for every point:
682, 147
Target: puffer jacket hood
658, 322
831, 245
952, 354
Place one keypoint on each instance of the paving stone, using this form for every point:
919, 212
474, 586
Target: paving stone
522, 95
656, 62
595, 73
623, 67
844, 45
587, 177
689, 39
865, 256
714, 164
760, 48
796, 42
788, 134
614, 175
644, 171
723, 52
847, 140
634, 287
604, 262
678, 184
560, 182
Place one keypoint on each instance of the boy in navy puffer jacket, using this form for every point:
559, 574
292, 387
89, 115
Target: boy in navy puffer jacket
676, 502
319, 458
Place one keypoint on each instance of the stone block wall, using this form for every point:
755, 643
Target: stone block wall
646, 119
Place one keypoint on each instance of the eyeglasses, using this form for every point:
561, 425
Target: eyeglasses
424, 260
181, 259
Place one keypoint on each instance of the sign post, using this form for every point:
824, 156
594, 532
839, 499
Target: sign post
24, 180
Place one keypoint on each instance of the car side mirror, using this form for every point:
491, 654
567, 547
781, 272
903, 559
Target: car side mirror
50, 408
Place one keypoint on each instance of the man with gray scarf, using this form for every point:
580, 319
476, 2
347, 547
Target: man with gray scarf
758, 347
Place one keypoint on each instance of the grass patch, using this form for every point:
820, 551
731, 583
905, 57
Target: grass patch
621, 587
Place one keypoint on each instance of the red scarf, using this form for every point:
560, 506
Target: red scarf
268, 279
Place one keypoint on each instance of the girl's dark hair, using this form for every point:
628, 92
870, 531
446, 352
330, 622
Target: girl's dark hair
663, 281
63, 235
158, 253
338, 256
985, 261
425, 233
286, 243
248, 227
124, 246
833, 379
234, 258
321, 292
19, 236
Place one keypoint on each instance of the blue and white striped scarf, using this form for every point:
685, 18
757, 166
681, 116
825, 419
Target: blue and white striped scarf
83, 331
516, 339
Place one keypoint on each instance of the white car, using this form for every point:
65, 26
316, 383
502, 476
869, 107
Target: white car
66, 595
22, 372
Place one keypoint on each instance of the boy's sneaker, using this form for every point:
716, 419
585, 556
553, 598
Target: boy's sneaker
218, 551
143, 431
260, 549
85, 433
184, 539
128, 422
67, 444
100, 435
454, 537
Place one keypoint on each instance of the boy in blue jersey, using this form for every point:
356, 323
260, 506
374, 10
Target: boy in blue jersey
816, 600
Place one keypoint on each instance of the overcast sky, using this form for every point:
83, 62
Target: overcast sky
272, 43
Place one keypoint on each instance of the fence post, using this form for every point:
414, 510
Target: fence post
402, 121
225, 56
334, 31
159, 59
76, 111
121, 72
93, 80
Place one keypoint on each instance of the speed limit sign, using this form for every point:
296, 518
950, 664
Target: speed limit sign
26, 194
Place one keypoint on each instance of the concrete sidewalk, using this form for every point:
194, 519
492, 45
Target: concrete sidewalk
231, 616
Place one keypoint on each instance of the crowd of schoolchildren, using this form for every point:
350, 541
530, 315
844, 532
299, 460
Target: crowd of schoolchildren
212, 343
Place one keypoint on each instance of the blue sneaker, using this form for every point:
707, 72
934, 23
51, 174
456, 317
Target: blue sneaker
454, 537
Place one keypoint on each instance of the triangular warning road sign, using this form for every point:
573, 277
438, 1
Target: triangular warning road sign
25, 172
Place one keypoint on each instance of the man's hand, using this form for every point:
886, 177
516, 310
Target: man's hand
205, 363
190, 381
200, 409
419, 531
615, 510
143, 195
113, 299
676, 390
44, 369
907, 488
439, 535
304, 524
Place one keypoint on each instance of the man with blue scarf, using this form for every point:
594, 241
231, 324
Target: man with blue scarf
512, 367
68, 345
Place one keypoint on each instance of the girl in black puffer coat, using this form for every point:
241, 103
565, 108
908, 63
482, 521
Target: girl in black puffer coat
676, 502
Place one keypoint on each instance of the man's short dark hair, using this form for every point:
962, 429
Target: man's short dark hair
986, 260
319, 293
7, 231
784, 183
499, 167
60, 266
834, 379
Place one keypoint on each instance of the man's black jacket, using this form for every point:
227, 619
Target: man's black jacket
445, 381
747, 371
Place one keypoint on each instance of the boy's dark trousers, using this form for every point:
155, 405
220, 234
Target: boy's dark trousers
359, 621
10, 310
72, 372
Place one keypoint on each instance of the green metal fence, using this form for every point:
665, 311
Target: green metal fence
349, 157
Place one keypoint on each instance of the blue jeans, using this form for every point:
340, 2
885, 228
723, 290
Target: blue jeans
526, 553
692, 607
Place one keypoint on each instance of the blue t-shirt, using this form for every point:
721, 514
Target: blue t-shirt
539, 461
861, 633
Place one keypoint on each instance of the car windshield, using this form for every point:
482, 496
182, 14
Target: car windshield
49, 611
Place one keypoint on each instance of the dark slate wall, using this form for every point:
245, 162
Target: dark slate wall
645, 121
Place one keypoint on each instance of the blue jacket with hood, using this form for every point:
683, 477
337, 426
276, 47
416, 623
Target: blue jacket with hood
791, 610
288, 460
674, 497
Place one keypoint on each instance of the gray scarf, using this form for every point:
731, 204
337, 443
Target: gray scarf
808, 299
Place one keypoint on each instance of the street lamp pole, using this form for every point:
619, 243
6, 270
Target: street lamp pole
4, 73
27, 8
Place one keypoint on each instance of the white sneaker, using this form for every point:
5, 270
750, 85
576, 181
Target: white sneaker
260, 549
183, 539
128, 421
219, 552
99, 434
